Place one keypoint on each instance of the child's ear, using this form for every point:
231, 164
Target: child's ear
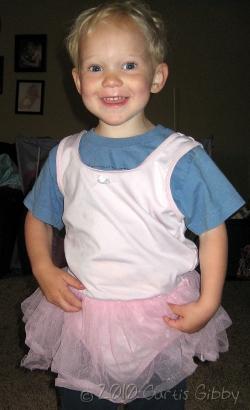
160, 78
76, 78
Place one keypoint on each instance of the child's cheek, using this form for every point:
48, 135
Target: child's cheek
88, 85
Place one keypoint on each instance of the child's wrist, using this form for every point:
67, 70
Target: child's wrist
209, 304
42, 267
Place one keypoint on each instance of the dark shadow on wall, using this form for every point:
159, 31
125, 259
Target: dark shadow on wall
77, 107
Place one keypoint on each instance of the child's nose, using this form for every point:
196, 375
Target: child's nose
112, 79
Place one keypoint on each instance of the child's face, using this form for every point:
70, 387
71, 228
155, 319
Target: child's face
116, 76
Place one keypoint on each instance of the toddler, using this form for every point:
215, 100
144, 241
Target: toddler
123, 322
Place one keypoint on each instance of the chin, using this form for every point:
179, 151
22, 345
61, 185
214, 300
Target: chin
113, 122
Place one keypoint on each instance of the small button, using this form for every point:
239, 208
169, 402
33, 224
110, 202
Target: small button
103, 180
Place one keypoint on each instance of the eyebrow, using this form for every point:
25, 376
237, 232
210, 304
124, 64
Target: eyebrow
122, 58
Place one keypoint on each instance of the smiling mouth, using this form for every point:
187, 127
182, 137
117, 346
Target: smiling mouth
115, 100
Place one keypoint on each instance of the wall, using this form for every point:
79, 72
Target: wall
209, 68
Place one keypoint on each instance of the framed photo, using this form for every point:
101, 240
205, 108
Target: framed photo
30, 52
29, 97
1, 75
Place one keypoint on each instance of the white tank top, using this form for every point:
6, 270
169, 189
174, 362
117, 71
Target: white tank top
124, 233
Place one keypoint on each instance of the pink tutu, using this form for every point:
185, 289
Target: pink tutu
120, 350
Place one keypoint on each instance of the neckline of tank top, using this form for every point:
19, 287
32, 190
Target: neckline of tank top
113, 172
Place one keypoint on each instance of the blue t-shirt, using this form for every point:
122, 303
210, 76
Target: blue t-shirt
201, 192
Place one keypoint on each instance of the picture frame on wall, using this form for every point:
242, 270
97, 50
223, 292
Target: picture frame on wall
29, 97
1, 74
30, 52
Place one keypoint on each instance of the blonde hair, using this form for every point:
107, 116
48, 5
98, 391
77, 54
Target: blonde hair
148, 21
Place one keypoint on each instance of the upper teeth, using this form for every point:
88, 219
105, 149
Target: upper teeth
113, 99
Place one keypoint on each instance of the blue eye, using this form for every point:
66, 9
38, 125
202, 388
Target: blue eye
95, 68
129, 66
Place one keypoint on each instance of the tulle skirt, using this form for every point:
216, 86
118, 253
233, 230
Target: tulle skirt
120, 350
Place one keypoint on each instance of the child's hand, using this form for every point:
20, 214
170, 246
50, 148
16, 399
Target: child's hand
191, 316
55, 284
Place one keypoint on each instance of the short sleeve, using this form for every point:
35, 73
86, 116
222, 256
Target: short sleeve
202, 193
45, 201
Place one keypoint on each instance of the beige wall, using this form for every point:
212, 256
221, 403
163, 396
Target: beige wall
209, 69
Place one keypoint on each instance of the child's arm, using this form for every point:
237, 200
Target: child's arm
213, 262
53, 281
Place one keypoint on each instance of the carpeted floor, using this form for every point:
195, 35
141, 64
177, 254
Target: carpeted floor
223, 385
